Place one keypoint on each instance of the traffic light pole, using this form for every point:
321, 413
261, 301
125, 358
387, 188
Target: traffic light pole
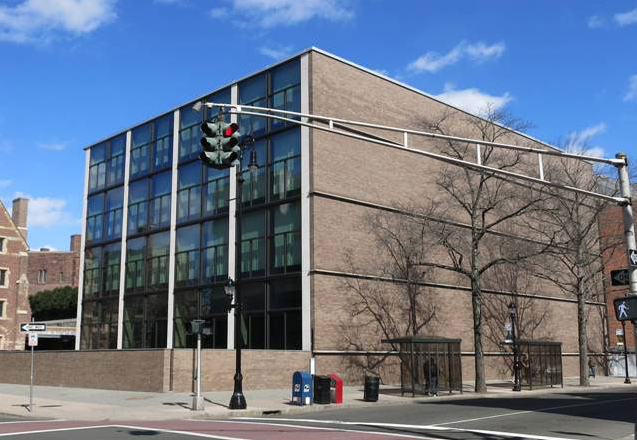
629, 234
238, 400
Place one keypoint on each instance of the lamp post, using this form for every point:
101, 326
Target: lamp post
516, 363
627, 380
238, 401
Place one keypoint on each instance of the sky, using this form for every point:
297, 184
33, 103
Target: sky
73, 72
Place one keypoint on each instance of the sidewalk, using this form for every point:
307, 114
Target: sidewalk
100, 405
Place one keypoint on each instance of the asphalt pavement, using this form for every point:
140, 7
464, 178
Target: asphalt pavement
606, 410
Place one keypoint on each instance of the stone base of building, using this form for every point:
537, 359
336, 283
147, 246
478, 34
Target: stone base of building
164, 370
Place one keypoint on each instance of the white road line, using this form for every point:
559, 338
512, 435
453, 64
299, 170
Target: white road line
358, 431
40, 431
550, 408
173, 431
426, 427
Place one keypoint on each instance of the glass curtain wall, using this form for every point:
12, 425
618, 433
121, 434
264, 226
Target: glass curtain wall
201, 256
147, 243
103, 244
271, 220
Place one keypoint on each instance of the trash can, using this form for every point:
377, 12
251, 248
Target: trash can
302, 388
336, 391
371, 389
322, 389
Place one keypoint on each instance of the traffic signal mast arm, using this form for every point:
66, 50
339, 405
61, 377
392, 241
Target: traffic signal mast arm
266, 113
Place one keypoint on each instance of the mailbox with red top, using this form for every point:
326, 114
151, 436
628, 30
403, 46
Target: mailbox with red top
336, 388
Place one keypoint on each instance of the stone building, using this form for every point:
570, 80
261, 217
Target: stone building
51, 269
14, 286
158, 241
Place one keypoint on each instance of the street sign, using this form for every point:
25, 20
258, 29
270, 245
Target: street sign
626, 308
33, 339
32, 327
632, 257
619, 277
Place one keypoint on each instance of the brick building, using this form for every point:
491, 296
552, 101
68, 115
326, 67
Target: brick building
611, 229
14, 286
159, 233
50, 269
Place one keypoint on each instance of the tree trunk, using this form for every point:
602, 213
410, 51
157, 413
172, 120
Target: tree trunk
582, 337
480, 384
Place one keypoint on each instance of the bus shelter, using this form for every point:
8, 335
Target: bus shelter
540, 363
428, 364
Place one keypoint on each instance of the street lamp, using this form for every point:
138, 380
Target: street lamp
232, 288
513, 310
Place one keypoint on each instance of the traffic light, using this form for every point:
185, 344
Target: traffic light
220, 144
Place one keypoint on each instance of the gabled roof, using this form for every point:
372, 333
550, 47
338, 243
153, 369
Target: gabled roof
4, 211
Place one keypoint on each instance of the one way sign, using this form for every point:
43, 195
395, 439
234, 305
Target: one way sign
632, 257
32, 327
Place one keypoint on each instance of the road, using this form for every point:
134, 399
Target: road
597, 414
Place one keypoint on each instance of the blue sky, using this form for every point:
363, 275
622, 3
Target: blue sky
75, 71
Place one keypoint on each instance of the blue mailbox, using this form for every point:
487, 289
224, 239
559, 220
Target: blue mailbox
302, 388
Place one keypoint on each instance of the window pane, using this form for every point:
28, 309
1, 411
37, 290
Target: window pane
185, 310
162, 152
140, 135
112, 256
115, 198
215, 232
188, 238
188, 117
118, 145
286, 75
285, 293
252, 89
98, 153
189, 175
276, 331
95, 204
285, 145
286, 218
138, 191
164, 126
253, 225
135, 252
253, 296
293, 328
161, 184
159, 244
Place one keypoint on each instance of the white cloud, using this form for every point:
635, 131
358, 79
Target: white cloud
46, 212
626, 18
276, 53
270, 13
631, 95
5, 183
596, 22
219, 12
580, 141
39, 20
53, 146
472, 100
478, 52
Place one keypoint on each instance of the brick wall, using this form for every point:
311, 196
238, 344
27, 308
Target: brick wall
62, 269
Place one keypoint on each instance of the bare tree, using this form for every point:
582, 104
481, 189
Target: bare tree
574, 265
395, 303
484, 201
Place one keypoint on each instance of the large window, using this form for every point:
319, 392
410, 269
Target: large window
114, 203
110, 269
92, 267
135, 265
189, 191
106, 167
157, 260
285, 165
151, 146
138, 206
207, 304
99, 324
202, 253
145, 318
286, 238
253, 237
94, 217
159, 203
273, 314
